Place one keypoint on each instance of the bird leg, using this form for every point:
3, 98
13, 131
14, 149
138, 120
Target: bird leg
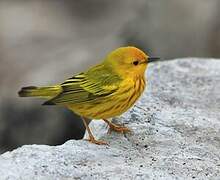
91, 137
116, 128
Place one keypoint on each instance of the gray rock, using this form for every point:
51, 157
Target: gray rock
175, 134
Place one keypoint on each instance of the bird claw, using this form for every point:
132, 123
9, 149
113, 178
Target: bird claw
118, 128
98, 142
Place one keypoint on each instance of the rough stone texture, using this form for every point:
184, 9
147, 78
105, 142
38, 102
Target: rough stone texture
175, 134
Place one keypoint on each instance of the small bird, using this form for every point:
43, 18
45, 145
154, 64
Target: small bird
103, 91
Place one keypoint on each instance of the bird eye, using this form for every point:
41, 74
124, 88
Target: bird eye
135, 63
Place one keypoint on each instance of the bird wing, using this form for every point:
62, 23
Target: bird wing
84, 87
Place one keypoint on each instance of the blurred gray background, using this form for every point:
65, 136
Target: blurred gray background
46, 41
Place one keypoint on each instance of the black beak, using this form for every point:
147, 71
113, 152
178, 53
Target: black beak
153, 59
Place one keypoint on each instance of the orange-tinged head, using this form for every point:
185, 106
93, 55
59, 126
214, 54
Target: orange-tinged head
128, 61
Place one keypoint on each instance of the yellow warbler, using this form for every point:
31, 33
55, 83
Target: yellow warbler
103, 91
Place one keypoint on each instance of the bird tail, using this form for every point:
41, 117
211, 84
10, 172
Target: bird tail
42, 92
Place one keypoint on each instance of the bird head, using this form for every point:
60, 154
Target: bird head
129, 61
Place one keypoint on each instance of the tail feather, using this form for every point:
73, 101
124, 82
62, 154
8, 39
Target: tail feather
48, 103
43, 92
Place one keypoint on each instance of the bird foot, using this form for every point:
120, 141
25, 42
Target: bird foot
118, 128
98, 142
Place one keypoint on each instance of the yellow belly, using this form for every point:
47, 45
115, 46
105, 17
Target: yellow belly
113, 105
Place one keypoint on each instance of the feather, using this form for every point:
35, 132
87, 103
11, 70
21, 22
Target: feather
89, 86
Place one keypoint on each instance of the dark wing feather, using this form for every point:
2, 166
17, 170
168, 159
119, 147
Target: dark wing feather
97, 82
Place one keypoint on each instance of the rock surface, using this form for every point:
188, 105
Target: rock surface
175, 134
